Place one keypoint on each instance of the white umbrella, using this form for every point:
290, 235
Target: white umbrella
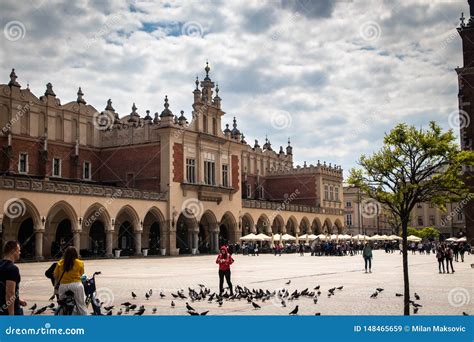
394, 237
333, 237
276, 237
312, 237
249, 237
452, 239
413, 238
360, 237
463, 239
288, 237
345, 237
384, 237
375, 237
263, 237
321, 237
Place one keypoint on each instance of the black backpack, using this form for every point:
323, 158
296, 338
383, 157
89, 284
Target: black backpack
49, 273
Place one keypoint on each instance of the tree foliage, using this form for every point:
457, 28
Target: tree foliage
413, 166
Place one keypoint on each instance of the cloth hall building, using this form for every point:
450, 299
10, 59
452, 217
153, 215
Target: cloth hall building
167, 183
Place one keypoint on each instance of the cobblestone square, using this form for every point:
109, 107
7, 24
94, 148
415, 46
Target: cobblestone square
440, 294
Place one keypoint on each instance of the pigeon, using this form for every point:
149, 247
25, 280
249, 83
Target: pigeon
172, 304
417, 297
134, 295
288, 282
154, 310
319, 293
315, 300
374, 295
132, 307
201, 285
126, 304
174, 295
398, 294
189, 307
465, 313
162, 295
379, 289
147, 296
33, 308
317, 287
140, 312
204, 313
416, 305
119, 313
295, 311
108, 308
50, 306
340, 287
192, 313
109, 313
283, 304
415, 310
150, 292
40, 311
256, 306
220, 302
317, 314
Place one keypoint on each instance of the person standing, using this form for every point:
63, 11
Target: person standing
449, 258
68, 273
301, 249
462, 250
440, 258
367, 254
10, 302
224, 260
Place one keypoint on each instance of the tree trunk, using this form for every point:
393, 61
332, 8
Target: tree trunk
406, 297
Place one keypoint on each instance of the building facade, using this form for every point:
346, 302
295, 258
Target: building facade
466, 108
365, 216
164, 182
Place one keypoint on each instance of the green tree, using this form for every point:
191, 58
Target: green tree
413, 166
429, 233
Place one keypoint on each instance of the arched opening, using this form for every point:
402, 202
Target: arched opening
227, 229
247, 224
278, 226
263, 224
327, 226
26, 238
291, 226
125, 238
207, 226
97, 239
154, 239
305, 227
317, 227
339, 226
152, 225
63, 238
184, 228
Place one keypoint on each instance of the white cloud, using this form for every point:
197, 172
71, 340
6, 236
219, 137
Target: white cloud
342, 89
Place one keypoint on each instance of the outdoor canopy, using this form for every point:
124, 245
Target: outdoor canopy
249, 237
413, 238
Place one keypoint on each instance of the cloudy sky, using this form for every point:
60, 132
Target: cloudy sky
332, 75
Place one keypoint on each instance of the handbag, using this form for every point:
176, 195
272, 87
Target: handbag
56, 287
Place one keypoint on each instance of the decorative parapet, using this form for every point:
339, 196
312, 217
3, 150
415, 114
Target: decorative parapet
69, 188
311, 169
256, 204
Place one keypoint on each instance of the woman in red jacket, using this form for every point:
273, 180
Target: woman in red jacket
224, 260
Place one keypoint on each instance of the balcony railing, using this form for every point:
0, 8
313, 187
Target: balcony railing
257, 204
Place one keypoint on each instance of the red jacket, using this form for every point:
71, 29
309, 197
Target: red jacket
224, 261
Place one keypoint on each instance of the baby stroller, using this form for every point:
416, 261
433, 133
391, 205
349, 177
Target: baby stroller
67, 304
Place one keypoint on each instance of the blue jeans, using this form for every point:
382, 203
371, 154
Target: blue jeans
368, 260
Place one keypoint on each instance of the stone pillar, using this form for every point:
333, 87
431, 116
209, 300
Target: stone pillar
109, 236
215, 241
39, 244
138, 242
172, 243
195, 239
77, 240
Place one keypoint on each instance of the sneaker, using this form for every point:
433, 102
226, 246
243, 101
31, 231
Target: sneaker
453, 271
370, 271
365, 271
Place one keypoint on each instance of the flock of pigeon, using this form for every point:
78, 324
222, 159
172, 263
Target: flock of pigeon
282, 298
